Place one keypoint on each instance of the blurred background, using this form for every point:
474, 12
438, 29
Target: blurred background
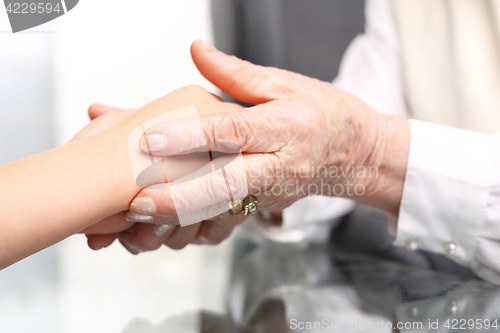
125, 54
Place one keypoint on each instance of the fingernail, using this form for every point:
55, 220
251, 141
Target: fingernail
143, 206
161, 229
131, 247
209, 47
138, 218
153, 142
202, 240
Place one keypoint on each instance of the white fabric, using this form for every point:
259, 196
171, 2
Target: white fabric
451, 61
452, 195
446, 189
371, 66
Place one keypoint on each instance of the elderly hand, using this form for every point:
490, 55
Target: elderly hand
303, 137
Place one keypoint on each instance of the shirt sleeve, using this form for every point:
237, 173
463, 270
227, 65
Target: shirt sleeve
451, 196
370, 70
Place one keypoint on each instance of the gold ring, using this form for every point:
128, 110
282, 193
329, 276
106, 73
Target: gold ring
248, 205
251, 205
236, 206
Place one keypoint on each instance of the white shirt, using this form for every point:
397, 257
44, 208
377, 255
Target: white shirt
451, 196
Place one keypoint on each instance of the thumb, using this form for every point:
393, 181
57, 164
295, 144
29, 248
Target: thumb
243, 80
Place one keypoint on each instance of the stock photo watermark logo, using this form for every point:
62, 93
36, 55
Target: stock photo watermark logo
309, 180
202, 179
27, 14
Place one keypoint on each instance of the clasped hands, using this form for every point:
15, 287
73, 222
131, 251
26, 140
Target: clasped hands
297, 123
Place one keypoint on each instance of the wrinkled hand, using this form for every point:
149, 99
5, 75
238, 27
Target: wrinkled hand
303, 137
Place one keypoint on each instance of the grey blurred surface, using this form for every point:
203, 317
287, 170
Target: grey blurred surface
271, 285
315, 283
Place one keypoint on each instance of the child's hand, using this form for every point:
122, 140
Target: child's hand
106, 231
102, 117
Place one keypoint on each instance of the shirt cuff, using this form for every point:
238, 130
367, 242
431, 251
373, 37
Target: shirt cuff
309, 219
446, 191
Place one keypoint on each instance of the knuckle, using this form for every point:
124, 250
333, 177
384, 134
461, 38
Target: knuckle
180, 205
233, 128
193, 89
238, 179
215, 188
164, 203
210, 188
244, 74
272, 176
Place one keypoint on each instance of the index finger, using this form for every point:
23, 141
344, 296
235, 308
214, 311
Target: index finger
253, 130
